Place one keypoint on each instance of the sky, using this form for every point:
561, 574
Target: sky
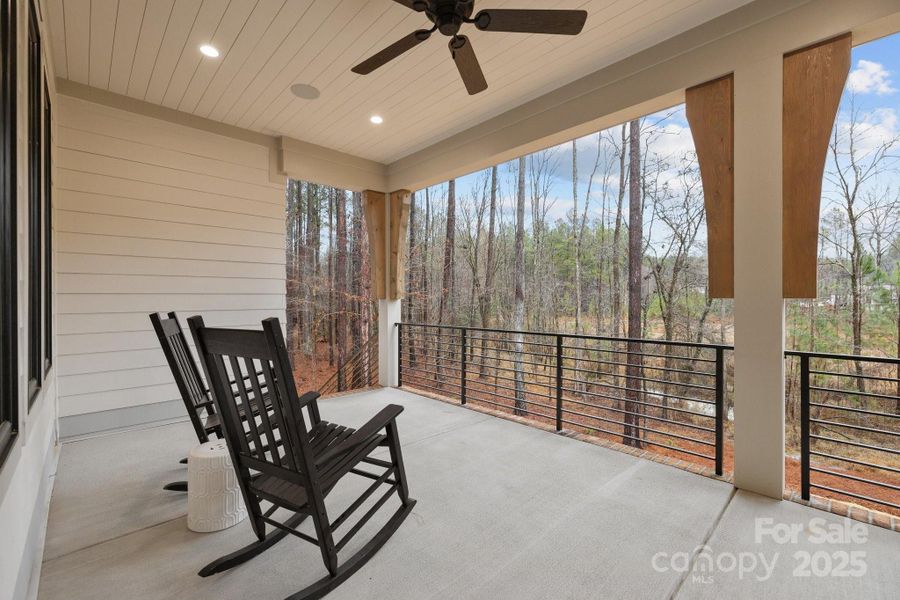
874, 88
874, 84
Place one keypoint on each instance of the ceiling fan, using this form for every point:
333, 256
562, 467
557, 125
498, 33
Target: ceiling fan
448, 16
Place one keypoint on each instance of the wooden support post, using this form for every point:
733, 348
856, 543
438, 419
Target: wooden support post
374, 209
710, 113
813, 80
400, 203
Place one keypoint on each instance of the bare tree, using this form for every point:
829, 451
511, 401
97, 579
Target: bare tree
679, 208
340, 321
632, 434
621, 150
490, 267
446, 301
856, 161
542, 167
519, 277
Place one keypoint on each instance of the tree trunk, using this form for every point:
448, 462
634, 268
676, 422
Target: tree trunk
340, 333
446, 301
519, 278
356, 299
856, 308
489, 268
311, 257
426, 263
413, 251
331, 269
617, 240
291, 261
576, 237
635, 232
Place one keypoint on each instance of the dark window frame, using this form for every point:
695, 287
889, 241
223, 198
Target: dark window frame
35, 208
9, 358
48, 232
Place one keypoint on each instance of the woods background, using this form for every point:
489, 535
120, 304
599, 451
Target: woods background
503, 249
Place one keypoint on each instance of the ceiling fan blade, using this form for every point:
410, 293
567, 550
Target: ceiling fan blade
467, 64
391, 52
565, 22
411, 4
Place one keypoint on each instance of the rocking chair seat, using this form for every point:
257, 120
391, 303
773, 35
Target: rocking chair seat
325, 438
281, 492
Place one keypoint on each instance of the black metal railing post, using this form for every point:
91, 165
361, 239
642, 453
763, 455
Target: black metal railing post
559, 381
804, 426
462, 367
720, 409
399, 354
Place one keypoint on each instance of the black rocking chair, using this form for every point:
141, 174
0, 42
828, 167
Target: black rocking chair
195, 394
313, 455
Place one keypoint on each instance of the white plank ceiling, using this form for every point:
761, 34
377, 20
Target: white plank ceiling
148, 49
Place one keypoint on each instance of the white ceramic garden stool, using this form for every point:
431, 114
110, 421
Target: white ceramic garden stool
214, 498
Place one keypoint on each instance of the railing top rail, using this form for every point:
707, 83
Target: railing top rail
582, 336
851, 357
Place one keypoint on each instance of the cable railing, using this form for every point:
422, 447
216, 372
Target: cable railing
667, 397
359, 371
662, 395
850, 427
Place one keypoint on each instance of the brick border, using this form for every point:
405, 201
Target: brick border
368, 388
846, 509
837, 507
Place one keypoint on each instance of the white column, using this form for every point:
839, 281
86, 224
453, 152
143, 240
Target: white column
388, 316
388, 313
758, 303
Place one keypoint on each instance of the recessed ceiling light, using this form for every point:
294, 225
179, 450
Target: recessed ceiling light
209, 51
376, 119
305, 91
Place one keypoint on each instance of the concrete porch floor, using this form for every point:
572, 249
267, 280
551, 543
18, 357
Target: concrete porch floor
504, 511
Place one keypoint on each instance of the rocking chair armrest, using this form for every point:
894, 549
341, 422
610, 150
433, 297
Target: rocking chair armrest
308, 397
372, 427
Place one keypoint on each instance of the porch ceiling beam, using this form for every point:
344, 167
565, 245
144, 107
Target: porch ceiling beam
814, 79
309, 162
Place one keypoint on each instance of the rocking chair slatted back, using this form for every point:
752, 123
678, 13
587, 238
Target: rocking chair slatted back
184, 370
277, 441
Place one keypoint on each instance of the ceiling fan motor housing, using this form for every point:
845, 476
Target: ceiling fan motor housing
447, 15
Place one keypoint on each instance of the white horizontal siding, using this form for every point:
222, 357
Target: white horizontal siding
119, 187
74, 324
119, 245
154, 216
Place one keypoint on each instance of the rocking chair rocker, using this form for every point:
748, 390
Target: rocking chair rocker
313, 455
